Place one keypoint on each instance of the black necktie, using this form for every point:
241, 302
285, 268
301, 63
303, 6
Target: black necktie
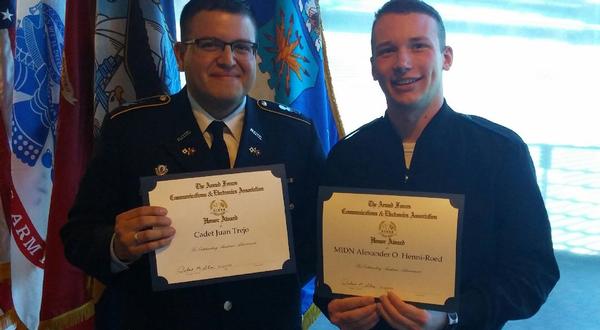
218, 149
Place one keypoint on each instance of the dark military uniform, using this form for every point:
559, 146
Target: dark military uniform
159, 133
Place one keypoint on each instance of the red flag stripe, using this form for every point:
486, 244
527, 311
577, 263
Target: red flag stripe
26, 237
65, 299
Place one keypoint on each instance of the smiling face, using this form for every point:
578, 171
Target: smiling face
218, 80
408, 61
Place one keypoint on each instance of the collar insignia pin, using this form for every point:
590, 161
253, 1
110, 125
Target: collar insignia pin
188, 151
254, 151
161, 170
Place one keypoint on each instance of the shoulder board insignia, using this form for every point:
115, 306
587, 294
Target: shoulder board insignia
281, 109
147, 102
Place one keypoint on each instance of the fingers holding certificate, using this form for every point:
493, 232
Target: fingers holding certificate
230, 225
141, 230
375, 242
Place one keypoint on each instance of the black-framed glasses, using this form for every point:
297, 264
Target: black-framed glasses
214, 45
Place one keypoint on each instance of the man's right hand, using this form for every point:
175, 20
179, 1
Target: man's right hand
140, 231
353, 313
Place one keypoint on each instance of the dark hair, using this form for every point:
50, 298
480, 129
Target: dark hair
229, 6
409, 7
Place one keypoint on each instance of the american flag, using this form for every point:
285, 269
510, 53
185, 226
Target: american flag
7, 31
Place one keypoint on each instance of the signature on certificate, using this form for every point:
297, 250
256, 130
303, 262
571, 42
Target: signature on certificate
352, 285
191, 270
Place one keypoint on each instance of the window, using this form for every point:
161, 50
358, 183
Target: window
524, 66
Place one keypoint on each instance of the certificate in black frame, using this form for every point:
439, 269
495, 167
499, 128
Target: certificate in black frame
159, 283
326, 192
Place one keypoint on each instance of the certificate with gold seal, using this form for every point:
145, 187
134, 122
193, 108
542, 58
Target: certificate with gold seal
375, 241
230, 225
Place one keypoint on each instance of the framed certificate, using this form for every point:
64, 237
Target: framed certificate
230, 225
375, 241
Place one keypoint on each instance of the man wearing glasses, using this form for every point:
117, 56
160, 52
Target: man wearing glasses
110, 234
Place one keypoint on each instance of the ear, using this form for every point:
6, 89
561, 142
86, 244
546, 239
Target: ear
448, 56
179, 50
373, 72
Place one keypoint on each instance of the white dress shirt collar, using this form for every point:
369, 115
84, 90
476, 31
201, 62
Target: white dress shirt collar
234, 121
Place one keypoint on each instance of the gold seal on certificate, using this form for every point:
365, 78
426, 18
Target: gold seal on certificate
378, 241
230, 225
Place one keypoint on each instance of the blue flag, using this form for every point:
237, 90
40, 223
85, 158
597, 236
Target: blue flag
292, 64
292, 71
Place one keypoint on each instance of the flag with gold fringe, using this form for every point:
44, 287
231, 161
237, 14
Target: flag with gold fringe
47, 292
39, 40
66, 300
293, 71
46, 134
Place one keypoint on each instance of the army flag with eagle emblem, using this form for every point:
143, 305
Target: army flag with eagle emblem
39, 40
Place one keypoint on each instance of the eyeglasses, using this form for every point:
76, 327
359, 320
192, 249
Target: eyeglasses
213, 45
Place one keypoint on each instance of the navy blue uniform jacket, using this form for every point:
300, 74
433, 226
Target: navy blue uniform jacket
155, 132
507, 267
